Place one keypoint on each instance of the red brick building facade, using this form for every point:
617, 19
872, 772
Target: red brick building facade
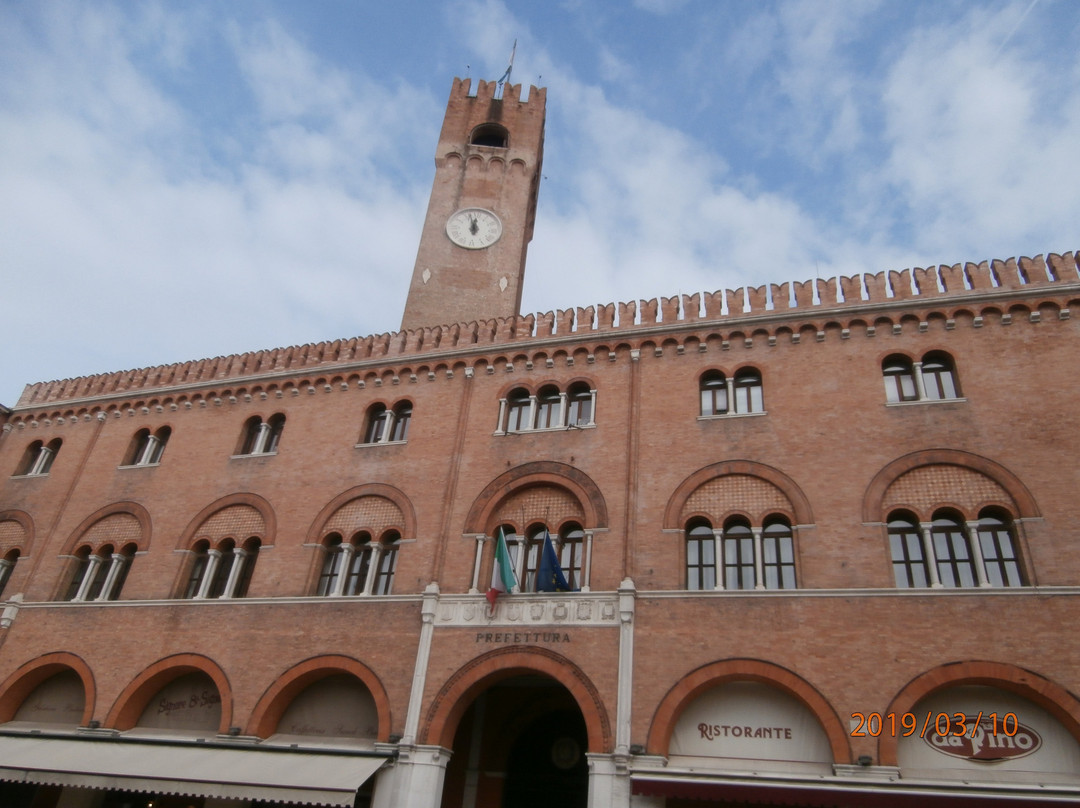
819, 537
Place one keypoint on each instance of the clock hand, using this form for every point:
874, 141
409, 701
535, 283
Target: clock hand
474, 226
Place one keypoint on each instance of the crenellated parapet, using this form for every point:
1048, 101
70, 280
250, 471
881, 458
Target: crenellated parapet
788, 308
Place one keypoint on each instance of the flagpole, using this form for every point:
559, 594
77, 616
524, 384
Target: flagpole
506, 76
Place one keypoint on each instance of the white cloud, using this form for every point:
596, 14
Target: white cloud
112, 211
983, 149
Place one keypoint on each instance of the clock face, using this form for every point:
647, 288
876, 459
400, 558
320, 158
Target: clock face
474, 228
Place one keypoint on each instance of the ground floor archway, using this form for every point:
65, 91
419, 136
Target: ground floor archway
520, 744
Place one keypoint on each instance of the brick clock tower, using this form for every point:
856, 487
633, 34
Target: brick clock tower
471, 260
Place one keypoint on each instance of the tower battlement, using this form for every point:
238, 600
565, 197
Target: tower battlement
996, 286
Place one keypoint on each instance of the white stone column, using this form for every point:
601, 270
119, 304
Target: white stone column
373, 567
423, 652
564, 410
240, 557
519, 563
41, 462
928, 551
718, 557
213, 558
93, 562
387, 427
115, 563
623, 714
414, 781
531, 422
920, 385
148, 451
759, 559
499, 430
345, 556
976, 553
475, 588
586, 566
609, 781
592, 408
729, 385
262, 434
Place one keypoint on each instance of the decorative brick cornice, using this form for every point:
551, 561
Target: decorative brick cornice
745, 315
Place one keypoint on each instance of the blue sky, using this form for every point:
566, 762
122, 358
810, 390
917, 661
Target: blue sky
188, 179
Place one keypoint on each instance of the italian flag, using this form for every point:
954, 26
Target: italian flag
503, 579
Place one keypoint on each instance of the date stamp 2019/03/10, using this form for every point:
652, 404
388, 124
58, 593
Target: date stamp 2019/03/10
942, 724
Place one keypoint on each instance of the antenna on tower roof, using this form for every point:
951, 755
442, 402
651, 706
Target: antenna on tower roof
506, 76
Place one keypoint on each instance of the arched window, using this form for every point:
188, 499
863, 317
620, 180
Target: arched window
246, 558
738, 551
200, 558
331, 568
359, 567
700, 556
489, 134
998, 544
79, 570
748, 396
532, 548
906, 547
262, 437
99, 574
38, 458
222, 572
939, 376
517, 410
402, 416
388, 549
147, 447
714, 393
955, 566
572, 554
375, 423
121, 565
7, 565
276, 424
548, 407
579, 399
225, 559
899, 375
778, 554
346, 565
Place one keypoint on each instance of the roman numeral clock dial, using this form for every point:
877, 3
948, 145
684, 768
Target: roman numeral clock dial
474, 228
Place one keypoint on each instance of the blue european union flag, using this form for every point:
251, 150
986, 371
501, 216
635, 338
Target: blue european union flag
550, 577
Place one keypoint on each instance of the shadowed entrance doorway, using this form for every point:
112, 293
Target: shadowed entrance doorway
520, 744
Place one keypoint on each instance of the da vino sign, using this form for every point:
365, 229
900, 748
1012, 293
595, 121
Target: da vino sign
983, 738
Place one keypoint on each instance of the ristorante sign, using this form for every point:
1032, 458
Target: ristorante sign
744, 724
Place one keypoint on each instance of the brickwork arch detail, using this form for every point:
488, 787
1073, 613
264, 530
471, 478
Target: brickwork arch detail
767, 477
461, 689
131, 702
875, 497
1052, 697
21, 683
745, 670
265, 514
396, 497
108, 525
545, 472
16, 531
277, 698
